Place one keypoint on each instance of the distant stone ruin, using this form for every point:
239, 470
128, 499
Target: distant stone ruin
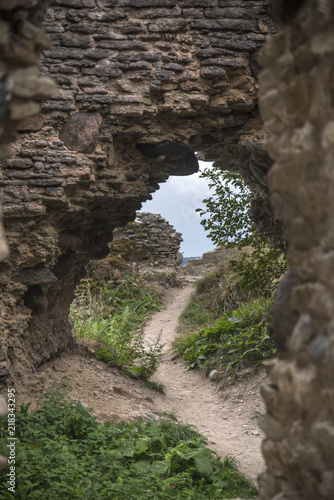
149, 239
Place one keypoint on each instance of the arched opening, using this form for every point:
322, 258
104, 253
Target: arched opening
187, 195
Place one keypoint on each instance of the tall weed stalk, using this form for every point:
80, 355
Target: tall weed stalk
115, 317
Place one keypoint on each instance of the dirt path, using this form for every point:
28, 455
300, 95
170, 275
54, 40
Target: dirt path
226, 418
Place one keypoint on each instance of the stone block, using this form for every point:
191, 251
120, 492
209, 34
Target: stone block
35, 276
140, 4
80, 133
77, 4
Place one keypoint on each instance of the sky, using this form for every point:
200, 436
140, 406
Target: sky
176, 201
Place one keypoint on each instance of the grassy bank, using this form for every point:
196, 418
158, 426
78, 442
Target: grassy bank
224, 327
62, 452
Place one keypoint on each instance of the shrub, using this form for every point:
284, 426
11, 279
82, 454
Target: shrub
215, 293
236, 337
226, 217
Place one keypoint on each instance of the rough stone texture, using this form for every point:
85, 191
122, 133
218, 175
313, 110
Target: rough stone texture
81, 132
15, 38
297, 105
21, 87
152, 239
168, 78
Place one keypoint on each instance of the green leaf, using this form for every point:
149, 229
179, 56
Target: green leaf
141, 465
160, 467
203, 464
142, 445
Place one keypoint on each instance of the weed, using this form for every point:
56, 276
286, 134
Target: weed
255, 415
171, 414
217, 292
244, 334
115, 316
156, 386
63, 452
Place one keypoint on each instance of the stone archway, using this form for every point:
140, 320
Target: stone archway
142, 85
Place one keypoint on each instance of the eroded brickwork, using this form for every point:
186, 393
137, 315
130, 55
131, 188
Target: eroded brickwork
143, 85
19, 62
297, 105
22, 89
21, 43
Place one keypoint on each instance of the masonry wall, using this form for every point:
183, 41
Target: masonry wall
150, 239
21, 88
142, 86
297, 105
163, 90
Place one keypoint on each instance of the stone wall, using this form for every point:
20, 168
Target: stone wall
151, 239
142, 85
21, 43
297, 105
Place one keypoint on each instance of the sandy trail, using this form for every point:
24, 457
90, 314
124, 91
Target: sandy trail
225, 418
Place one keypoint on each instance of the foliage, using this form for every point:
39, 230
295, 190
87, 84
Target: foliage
227, 210
155, 386
226, 218
196, 315
63, 452
237, 336
165, 279
215, 293
114, 317
261, 270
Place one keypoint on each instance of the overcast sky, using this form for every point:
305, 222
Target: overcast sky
176, 201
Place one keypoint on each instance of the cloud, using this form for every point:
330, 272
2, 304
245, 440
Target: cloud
177, 201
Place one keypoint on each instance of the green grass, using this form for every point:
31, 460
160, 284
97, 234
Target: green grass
155, 386
243, 335
196, 315
62, 452
215, 293
115, 317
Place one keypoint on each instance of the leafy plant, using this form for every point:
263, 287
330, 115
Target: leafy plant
237, 336
226, 218
114, 317
63, 452
215, 293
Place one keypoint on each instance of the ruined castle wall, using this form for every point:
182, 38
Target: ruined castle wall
21, 43
142, 85
22, 90
152, 239
297, 105
18, 68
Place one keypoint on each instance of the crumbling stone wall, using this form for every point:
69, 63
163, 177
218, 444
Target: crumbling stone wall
21, 43
150, 238
21, 89
142, 86
297, 105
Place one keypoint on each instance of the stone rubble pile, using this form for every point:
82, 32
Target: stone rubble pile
154, 240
